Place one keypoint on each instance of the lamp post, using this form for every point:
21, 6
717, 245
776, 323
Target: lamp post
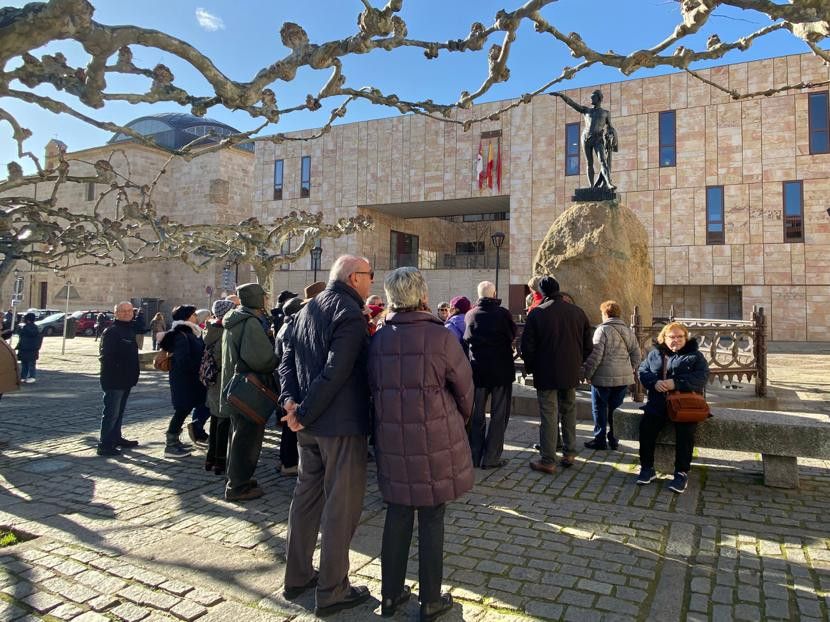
497, 239
316, 254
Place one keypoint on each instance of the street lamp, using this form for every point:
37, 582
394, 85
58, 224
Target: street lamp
497, 239
316, 253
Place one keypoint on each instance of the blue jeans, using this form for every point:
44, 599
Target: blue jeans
604, 401
28, 369
115, 400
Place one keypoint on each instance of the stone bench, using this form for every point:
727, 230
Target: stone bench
145, 360
780, 438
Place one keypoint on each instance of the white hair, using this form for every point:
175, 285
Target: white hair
405, 288
344, 266
124, 303
486, 289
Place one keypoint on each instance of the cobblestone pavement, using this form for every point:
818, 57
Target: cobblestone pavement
141, 537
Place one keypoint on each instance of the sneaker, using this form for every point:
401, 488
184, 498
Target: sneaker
31, 380
191, 432
678, 484
288, 471
176, 451
646, 476
108, 451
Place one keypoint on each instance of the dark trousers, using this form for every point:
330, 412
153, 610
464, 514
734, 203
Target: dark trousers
329, 493
487, 444
244, 447
289, 453
604, 401
115, 401
397, 536
177, 420
217, 450
651, 423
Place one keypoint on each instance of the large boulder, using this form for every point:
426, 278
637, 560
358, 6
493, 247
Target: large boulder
599, 251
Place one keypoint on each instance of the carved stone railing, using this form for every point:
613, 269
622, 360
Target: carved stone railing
735, 349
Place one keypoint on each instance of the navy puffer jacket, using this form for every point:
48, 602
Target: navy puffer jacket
423, 394
687, 367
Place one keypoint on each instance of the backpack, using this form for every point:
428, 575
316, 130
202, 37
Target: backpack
208, 368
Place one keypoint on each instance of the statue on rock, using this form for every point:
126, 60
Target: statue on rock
598, 138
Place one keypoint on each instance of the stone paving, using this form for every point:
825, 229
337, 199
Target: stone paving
144, 538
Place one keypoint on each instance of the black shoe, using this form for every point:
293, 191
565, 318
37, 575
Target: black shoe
108, 451
498, 465
357, 596
432, 611
290, 593
613, 442
219, 469
124, 443
596, 444
389, 605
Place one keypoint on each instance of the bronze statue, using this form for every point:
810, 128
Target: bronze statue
598, 136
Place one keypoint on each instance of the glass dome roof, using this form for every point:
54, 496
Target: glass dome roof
174, 130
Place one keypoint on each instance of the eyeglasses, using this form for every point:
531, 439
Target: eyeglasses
371, 273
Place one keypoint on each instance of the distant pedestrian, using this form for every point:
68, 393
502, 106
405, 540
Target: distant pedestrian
489, 335
118, 354
455, 322
157, 325
100, 324
443, 311
217, 451
140, 326
28, 348
555, 343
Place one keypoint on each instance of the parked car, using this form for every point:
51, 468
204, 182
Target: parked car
51, 325
41, 314
85, 321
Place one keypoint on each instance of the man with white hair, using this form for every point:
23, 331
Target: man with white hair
325, 393
489, 334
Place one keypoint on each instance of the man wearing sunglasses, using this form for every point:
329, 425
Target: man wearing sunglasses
325, 393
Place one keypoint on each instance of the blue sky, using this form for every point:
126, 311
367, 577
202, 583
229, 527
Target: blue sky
242, 37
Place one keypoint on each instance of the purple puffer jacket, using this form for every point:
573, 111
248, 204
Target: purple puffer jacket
422, 386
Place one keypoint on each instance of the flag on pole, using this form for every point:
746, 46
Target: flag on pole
498, 166
490, 165
479, 167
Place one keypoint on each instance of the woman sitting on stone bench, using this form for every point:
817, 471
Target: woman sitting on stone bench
675, 364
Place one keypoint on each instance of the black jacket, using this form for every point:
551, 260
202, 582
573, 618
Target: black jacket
28, 346
324, 364
489, 336
186, 390
556, 341
118, 354
687, 367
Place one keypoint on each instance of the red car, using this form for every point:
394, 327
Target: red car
85, 321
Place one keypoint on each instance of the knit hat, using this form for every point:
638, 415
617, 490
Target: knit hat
549, 286
292, 306
221, 307
251, 295
202, 315
285, 294
462, 303
312, 290
182, 313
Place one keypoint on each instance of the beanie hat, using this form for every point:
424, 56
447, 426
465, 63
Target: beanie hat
285, 295
292, 306
221, 307
549, 286
462, 303
182, 313
251, 295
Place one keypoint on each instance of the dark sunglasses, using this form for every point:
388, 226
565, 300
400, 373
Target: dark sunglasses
371, 273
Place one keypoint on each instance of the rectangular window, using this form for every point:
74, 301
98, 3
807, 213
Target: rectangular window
668, 138
793, 211
305, 177
572, 149
714, 215
819, 121
278, 168
90, 191
403, 249
469, 248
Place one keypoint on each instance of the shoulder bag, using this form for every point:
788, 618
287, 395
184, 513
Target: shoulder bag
246, 392
685, 407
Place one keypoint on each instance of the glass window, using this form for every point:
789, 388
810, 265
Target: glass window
714, 215
668, 138
793, 211
278, 167
305, 177
403, 249
572, 149
819, 118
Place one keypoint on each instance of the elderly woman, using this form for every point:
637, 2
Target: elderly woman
423, 395
675, 364
610, 369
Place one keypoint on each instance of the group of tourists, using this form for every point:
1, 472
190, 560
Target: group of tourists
339, 365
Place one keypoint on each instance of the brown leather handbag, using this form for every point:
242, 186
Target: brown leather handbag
163, 361
685, 407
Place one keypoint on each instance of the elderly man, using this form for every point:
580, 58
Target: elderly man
325, 394
118, 354
489, 335
556, 341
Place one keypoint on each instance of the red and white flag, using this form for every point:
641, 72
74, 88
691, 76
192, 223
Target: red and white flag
490, 165
498, 166
479, 167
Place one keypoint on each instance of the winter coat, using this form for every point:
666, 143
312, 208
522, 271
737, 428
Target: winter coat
158, 326
489, 336
615, 356
555, 342
323, 366
186, 390
687, 367
118, 353
213, 342
457, 326
245, 345
423, 395
28, 346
